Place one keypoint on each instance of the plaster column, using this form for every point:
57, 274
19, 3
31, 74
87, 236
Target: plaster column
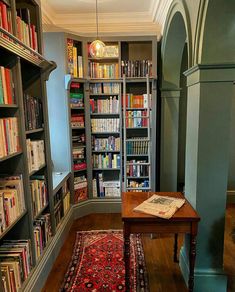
210, 91
169, 139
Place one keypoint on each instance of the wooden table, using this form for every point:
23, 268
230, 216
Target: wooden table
185, 220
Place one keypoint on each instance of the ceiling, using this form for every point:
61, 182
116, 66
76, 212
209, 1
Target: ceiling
115, 17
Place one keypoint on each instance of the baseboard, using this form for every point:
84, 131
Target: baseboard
97, 206
206, 280
39, 274
231, 196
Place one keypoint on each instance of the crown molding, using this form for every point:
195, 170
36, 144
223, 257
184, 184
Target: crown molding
109, 29
127, 23
160, 12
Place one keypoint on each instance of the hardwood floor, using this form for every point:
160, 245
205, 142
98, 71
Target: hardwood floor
164, 275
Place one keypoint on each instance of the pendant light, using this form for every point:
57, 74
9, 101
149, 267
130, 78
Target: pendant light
96, 48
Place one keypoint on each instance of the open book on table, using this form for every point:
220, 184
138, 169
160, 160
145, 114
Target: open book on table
160, 206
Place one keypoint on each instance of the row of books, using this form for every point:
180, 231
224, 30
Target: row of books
102, 188
39, 195
66, 202
108, 160
7, 88
78, 139
5, 18
97, 70
105, 125
79, 165
15, 263
137, 147
25, 30
33, 112
137, 169
106, 144
109, 105
58, 213
75, 63
136, 119
78, 152
105, 88
9, 136
77, 121
76, 101
136, 101
136, 68
35, 154
12, 202
42, 233
137, 184
80, 188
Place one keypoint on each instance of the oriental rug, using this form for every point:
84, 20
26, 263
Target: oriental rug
97, 263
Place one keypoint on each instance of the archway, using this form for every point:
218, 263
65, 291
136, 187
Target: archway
176, 58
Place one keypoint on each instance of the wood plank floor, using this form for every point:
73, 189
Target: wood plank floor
164, 274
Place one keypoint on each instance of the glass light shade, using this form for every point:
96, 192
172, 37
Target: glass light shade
97, 49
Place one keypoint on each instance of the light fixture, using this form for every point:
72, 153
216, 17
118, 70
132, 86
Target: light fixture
96, 48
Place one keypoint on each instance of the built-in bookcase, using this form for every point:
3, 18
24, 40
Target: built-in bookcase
27, 218
105, 116
79, 136
102, 87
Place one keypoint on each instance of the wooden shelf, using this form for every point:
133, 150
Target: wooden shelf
106, 169
105, 133
103, 94
34, 131
35, 171
16, 47
10, 156
59, 178
13, 224
40, 212
105, 114
5, 106
105, 151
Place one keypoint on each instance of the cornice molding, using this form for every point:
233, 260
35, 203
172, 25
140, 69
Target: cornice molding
160, 12
108, 29
127, 23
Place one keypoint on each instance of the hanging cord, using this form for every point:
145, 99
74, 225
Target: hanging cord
97, 20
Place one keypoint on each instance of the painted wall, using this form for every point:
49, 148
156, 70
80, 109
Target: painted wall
57, 103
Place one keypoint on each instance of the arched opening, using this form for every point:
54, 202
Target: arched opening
176, 58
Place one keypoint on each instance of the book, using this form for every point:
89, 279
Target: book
160, 206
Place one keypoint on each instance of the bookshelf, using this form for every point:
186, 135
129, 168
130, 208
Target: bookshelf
135, 57
25, 165
79, 137
139, 154
106, 135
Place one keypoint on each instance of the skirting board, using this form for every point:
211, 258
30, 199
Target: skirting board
97, 206
231, 196
39, 275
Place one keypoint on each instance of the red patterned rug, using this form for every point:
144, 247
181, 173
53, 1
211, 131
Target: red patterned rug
97, 263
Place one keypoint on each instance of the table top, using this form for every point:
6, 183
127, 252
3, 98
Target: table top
130, 200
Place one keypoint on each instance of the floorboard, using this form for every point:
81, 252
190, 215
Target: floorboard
164, 275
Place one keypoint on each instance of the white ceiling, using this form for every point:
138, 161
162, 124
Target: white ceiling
115, 17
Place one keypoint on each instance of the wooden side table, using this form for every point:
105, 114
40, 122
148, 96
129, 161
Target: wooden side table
185, 220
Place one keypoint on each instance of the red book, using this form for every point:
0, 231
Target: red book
8, 86
75, 85
34, 41
3, 8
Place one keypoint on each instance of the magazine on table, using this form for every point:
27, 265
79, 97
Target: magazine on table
160, 206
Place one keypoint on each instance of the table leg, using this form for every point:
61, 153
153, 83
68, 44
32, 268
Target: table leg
127, 257
192, 257
176, 248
